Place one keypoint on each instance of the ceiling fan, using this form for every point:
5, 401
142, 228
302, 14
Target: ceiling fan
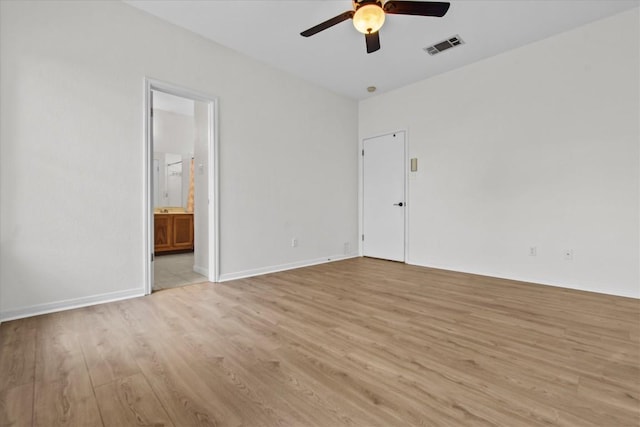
368, 16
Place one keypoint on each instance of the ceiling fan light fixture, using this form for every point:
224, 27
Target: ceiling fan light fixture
368, 19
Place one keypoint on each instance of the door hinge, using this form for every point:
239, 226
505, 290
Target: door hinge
152, 255
363, 152
363, 237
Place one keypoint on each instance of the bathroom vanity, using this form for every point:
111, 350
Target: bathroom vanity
173, 232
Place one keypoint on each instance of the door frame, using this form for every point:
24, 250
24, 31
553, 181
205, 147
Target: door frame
361, 190
213, 212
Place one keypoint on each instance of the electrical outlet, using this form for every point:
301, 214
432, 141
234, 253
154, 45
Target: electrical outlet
568, 254
533, 251
294, 242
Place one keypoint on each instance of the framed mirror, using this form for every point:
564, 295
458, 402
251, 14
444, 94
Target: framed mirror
172, 180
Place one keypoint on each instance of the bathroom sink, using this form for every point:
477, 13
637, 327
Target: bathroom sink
170, 210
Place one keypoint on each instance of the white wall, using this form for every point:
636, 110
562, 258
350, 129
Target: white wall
535, 147
71, 153
173, 133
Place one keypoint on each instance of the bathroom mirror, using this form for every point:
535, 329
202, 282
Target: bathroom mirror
171, 179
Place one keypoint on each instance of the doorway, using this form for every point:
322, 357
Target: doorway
181, 196
383, 196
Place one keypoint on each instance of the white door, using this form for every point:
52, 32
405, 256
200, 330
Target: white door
383, 197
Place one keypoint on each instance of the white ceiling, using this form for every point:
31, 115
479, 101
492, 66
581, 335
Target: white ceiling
269, 30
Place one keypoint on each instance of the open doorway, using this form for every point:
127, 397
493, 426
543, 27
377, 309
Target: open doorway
181, 192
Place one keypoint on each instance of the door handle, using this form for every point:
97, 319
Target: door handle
398, 204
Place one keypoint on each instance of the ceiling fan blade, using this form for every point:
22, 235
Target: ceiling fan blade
373, 41
328, 23
422, 8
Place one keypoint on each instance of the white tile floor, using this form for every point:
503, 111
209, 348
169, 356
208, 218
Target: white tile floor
172, 271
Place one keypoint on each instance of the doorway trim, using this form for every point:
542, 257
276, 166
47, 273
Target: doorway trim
213, 216
406, 190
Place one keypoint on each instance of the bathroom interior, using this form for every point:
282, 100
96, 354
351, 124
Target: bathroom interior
178, 178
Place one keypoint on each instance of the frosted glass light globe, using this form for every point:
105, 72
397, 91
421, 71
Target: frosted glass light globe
368, 18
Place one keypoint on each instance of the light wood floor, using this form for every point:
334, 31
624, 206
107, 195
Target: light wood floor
360, 342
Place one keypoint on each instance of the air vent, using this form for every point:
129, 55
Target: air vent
444, 45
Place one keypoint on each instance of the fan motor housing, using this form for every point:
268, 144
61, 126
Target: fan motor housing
358, 3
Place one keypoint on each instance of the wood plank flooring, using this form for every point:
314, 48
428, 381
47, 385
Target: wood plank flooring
361, 342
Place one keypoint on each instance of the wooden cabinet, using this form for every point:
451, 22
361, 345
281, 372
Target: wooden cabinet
173, 232
162, 227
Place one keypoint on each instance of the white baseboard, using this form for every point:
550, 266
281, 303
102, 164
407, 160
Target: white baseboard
69, 304
282, 267
201, 270
525, 280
